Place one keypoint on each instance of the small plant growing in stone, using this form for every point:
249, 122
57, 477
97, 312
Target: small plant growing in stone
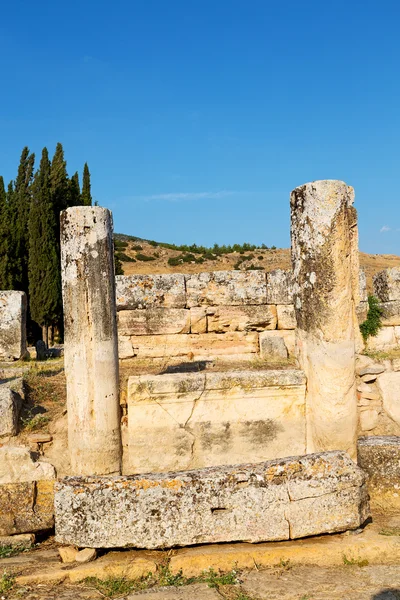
6, 582
373, 322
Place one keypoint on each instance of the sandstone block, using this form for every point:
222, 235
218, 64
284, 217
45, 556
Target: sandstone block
198, 320
364, 387
389, 386
195, 420
198, 346
153, 321
368, 419
273, 348
17, 465
286, 316
68, 554
146, 291
26, 507
227, 288
387, 285
384, 340
288, 336
241, 318
390, 313
12, 325
278, 500
379, 457
10, 406
23, 540
280, 287
86, 555
396, 364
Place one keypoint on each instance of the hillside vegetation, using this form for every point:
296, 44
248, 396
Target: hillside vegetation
144, 256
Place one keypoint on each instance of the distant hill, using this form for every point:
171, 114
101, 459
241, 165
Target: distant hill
147, 256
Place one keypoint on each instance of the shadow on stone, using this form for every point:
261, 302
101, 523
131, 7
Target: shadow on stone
387, 595
188, 367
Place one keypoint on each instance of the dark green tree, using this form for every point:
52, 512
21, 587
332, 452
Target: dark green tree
74, 191
4, 239
86, 197
44, 267
19, 204
59, 179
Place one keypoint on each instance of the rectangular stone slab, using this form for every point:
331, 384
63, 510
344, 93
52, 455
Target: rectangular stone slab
275, 500
26, 507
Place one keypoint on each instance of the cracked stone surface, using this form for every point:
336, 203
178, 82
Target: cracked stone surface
196, 420
12, 325
277, 500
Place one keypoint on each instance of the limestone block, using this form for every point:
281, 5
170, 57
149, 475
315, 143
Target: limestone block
193, 420
146, 291
384, 340
26, 507
17, 465
273, 348
389, 387
277, 500
363, 286
371, 369
364, 387
368, 419
125, 348
198, 320
10, 406
12, 325
86, 555
286, 316
241, 318
390, 313
280, 287
153, 321
396, 364
227, 288
379, 457
387, 284
22, 540
287, 335
198, 346
68, 554
361, 312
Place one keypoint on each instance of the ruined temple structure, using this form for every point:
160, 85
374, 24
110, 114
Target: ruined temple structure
246, 424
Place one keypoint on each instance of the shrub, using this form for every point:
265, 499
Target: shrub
373, 322
260, 257
137, 247
119, 244
124, 257
144, 257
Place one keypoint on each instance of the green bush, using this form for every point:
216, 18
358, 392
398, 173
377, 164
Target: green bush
124, 257
144, 257
119, 244
373, 322
137, 247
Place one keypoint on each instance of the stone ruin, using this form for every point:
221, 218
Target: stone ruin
208, 456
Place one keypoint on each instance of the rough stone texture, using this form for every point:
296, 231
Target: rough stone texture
86, 555
384, 340
369, 419
363, 294
68, 554
241, 318
326, 281
379, 457
286, 316
198, 320
389, 387
149, 291
12, 325
226, 288
387, 285
280, 287
10, 406
362, 312
25, 540
287, 335
26, 507
390, 313
193, 420
273, 347
91, 347
153, 321
278, 500
17, 465
194, 346
371, 369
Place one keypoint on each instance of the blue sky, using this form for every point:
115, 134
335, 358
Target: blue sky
198, 117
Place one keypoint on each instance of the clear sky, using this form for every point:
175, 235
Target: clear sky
198, 117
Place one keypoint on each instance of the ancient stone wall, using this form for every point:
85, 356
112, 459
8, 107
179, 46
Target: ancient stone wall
12, 325
232, 315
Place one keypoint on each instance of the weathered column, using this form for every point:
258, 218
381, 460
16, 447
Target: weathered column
325, 265
91, 347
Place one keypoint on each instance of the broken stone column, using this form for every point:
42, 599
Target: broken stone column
277, 500
91, 348
325, 265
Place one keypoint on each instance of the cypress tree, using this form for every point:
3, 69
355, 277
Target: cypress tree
86, 197
4, 239
74, 191
44, 268
19, 205
59, 179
